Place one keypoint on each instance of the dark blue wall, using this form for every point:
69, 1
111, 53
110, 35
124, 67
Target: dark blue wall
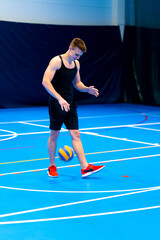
26, 50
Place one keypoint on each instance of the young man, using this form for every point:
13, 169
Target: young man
61, 73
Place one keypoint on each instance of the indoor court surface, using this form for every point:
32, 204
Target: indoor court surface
120, 202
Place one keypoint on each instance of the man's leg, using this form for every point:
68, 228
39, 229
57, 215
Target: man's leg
52, 144
78, 147
87, 169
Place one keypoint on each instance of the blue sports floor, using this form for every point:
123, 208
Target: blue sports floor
120, 202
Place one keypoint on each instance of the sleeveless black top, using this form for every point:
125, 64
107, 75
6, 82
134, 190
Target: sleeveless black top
62, 81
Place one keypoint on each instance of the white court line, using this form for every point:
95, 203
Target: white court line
101, 116
116, 138
38, 125
92, 153
113, 115
12, 122
77, 192
92, 128
149, 129
84, 129
22, 134
75, 203
33, 133
90, 133
89, 117
11, 135
76, 165
120, 126
121, 150
80, 216
33, 124
116, 126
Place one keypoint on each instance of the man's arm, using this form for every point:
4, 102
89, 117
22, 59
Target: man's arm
53, 66
80, 86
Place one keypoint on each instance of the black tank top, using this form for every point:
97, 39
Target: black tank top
62, 81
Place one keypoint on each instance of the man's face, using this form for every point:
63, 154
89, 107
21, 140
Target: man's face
75, 53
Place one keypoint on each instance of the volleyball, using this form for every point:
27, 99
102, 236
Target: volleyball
66, 153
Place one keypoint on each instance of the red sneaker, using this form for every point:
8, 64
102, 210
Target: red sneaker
52, 171
91, 169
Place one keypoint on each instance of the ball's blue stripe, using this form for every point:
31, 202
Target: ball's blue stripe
66, 153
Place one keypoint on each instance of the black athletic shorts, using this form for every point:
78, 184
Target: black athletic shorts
59, 116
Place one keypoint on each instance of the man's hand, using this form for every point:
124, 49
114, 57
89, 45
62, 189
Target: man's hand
93, 91
64, 105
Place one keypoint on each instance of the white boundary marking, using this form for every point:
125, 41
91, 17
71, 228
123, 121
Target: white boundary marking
79, 216
85, 201
11, 122
114, 115
75, 203
82, 129
11, 135
116, 138
33, 124
149, 129
78, 192
106, 161
92, 153
88, 117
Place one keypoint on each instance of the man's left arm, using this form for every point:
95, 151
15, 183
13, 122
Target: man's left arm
81, 87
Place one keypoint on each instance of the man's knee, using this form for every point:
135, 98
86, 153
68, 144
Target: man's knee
54, 135
75, 134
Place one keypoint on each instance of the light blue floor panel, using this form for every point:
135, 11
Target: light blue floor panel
120, 202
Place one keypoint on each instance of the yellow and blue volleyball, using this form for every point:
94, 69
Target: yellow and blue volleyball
66, 153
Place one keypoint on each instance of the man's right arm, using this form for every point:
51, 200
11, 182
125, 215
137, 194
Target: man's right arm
53, 66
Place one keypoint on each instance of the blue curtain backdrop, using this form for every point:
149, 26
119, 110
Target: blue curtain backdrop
127, 71
26, 49
141, 50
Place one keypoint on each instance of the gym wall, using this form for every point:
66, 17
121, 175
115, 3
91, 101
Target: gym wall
123, 48
33, 31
